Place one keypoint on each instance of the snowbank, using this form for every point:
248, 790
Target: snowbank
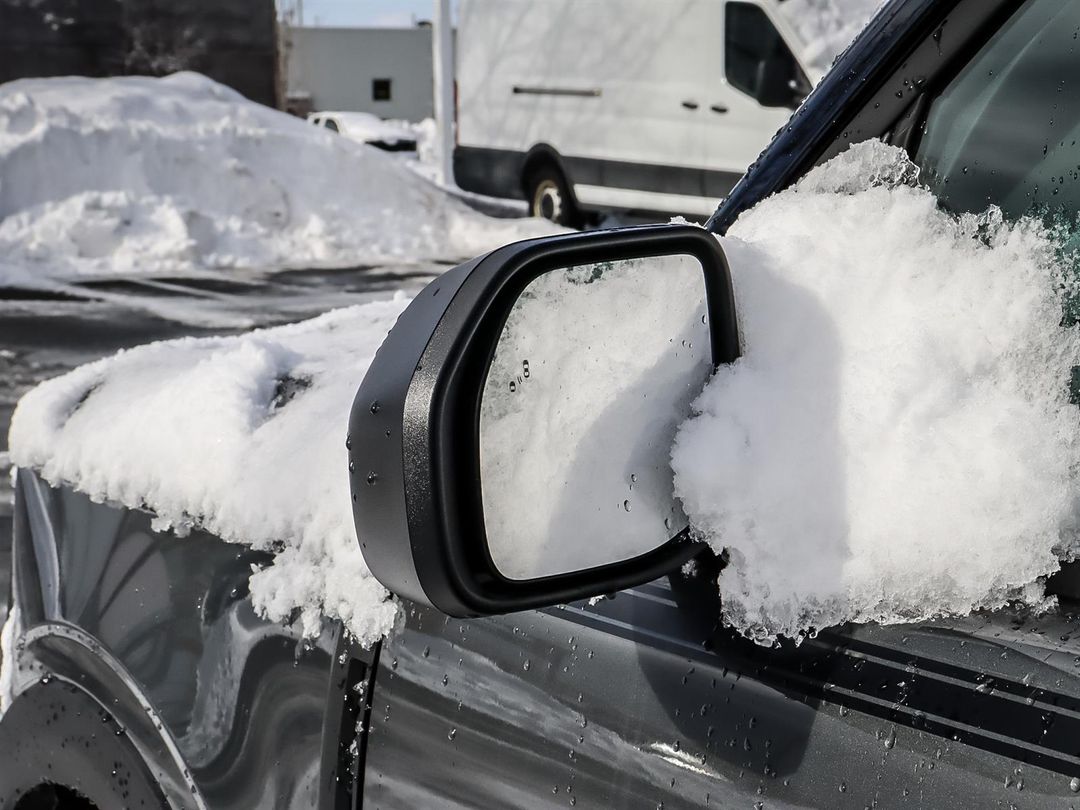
896, 442
142, 175
243, 436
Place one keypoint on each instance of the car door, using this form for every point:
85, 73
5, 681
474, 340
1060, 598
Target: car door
643, 700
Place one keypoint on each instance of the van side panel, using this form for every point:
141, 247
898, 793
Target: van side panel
626, 91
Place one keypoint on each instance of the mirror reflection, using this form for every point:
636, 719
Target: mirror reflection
595, 368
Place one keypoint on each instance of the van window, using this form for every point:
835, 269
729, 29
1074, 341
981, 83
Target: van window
1005, 131
757, 61
330, 124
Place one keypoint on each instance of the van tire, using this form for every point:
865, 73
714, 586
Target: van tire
59, 748
549, 196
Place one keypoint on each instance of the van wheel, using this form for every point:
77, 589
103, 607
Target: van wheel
549, 197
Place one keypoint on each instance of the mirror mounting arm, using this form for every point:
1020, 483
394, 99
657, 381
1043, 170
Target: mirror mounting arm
414, 428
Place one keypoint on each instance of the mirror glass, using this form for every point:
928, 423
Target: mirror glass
595, 368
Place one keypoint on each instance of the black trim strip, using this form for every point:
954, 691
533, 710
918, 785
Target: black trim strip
500, 173
986, 712
592, 92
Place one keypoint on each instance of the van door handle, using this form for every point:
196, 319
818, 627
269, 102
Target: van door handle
718, 108
690, 105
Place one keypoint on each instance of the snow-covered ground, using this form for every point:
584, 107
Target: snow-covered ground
895, 444
143, 176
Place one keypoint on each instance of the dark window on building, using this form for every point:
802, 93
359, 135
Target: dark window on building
380, 89
757, 61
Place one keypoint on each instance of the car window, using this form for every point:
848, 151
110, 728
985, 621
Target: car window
331, 124
1004, 131
757, 61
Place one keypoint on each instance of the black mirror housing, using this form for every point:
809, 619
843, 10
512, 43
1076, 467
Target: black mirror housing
414, 465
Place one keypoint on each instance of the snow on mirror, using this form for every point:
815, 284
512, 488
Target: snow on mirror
595, 368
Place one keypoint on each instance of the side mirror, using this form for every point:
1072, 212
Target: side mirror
509, 447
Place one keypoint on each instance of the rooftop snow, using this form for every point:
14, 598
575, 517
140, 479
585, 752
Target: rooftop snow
139, 175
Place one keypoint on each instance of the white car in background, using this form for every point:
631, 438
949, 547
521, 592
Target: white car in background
393, 136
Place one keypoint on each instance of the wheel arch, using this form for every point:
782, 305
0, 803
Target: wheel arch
544, 154
70, 655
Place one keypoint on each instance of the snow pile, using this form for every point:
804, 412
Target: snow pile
897, 441
243, 436
143, 175
827, 27
595, 369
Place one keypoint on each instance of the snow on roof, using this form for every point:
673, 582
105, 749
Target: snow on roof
243, 436
138, 175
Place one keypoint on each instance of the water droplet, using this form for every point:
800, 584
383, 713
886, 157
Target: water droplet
348, 442
890, 740
445, 680
843, 787
427, 651
451, 734
1074, 784
527, 665
626, 505
375, 406
372, 478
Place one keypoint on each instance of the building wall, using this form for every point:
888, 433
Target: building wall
232, 41
336, 67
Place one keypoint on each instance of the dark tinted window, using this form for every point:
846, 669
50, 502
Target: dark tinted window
758, 61
331, 124
1005, 130
380, 89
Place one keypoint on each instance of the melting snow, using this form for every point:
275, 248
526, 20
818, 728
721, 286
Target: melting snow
897, 441
180, 174
243, 436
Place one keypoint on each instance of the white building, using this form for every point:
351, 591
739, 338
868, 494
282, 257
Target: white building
385, 71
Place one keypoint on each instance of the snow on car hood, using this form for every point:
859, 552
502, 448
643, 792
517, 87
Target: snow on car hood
897, 441
139, 175
243, 436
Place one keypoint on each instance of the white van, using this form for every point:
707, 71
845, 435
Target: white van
644, 106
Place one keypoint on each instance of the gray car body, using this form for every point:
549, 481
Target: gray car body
640, 700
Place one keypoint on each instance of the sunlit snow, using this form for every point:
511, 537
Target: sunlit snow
897, 441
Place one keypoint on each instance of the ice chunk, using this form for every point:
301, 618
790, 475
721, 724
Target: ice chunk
897, 440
